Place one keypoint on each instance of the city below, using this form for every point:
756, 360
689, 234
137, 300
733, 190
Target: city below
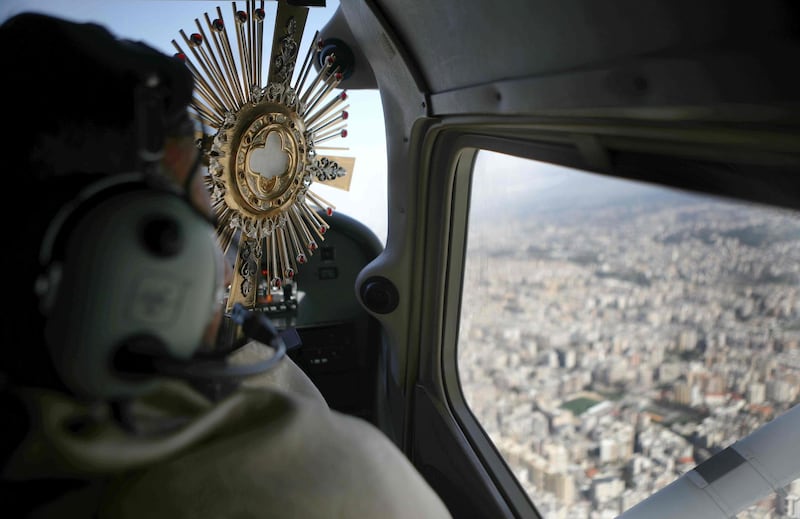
608, 350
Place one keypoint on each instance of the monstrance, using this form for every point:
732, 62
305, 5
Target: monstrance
262, 141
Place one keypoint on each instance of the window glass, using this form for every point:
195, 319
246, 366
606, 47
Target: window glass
615, 334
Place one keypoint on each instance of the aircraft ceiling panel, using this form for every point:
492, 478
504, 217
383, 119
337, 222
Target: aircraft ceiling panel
459, 43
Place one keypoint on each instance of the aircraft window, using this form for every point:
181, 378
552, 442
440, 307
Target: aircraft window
615, 334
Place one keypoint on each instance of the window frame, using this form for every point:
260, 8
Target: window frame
455, 152
631, 150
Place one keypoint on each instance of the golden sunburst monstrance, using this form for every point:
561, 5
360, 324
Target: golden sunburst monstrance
262, 152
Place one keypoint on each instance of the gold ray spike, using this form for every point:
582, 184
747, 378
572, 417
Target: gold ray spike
240, 19
307, 62
332, 119
321, 203
262, 158
210, 81
219, 35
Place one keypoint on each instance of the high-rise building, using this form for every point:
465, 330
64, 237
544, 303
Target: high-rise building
756, 393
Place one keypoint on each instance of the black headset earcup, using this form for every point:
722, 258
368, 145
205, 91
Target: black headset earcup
141, 262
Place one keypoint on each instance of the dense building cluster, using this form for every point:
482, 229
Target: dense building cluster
608, 352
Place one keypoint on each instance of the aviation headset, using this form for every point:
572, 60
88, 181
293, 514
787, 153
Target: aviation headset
132, 277
125, 265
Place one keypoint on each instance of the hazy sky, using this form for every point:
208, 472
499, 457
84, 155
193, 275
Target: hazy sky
504, 182
158, 22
